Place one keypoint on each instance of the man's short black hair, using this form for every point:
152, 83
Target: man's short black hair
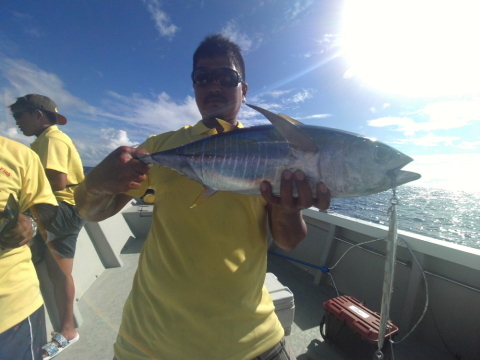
218, 44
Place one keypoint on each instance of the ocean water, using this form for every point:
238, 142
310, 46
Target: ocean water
452, 216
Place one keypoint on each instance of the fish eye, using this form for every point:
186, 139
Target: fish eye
382, 154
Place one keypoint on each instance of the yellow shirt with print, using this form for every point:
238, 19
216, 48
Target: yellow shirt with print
198, 291
21, 174
57, 152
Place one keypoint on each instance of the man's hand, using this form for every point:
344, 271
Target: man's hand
285, 212
305, 198
100, 195
20, 235
119, 172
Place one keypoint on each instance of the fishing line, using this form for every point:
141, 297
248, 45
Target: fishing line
334, 285
427, 297
427, 300
353, 246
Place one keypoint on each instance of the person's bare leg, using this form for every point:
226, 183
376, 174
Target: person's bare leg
60, 273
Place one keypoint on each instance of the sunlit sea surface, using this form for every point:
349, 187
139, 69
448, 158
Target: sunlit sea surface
452, 216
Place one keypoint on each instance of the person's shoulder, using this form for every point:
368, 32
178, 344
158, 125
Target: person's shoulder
169, 134
55, 134
10, 145
17, 154
54, 131
159, 142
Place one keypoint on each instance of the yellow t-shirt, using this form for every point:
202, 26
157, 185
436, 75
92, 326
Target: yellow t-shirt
22, 174
198, 291
57, 152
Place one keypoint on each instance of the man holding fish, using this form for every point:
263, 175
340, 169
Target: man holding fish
198, 291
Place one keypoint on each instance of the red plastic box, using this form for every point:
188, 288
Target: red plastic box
354, 328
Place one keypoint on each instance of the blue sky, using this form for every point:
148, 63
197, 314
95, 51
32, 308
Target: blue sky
403, 72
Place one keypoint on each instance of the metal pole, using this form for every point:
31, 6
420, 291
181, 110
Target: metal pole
389, 272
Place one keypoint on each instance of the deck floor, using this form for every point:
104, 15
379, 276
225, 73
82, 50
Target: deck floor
101, 309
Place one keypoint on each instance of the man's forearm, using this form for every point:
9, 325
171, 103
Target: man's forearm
288, 228
95, 206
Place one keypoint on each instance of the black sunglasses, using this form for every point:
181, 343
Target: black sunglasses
225, 76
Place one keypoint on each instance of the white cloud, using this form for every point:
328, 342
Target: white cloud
297, 8
373, 109
10, 131
328, 42
250, 117
308, 54
404, 124
432, 140
300, 96
438, 116
157, 114
447, 171
22, 16
162, 20
451, 114
33, 31
316, 116
232, 31
469, 145
248, 113
109, 140
115, 138
349, 73
277, 93
24, 78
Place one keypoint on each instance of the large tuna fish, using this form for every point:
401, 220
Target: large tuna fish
238, 161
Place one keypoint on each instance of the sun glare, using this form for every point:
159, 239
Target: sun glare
414, 47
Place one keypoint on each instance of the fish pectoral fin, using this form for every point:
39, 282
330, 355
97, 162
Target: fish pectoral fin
205, 194
295, 136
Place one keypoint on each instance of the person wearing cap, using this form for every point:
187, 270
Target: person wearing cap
37, 115
22, 329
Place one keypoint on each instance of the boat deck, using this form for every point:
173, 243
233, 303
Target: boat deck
101, 309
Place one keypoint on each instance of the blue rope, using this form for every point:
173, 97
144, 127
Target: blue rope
323, 269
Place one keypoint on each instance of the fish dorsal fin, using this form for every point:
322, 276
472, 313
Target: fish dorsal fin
292, 120
295, 136
206, 193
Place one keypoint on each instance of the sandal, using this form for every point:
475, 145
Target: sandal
57, 345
